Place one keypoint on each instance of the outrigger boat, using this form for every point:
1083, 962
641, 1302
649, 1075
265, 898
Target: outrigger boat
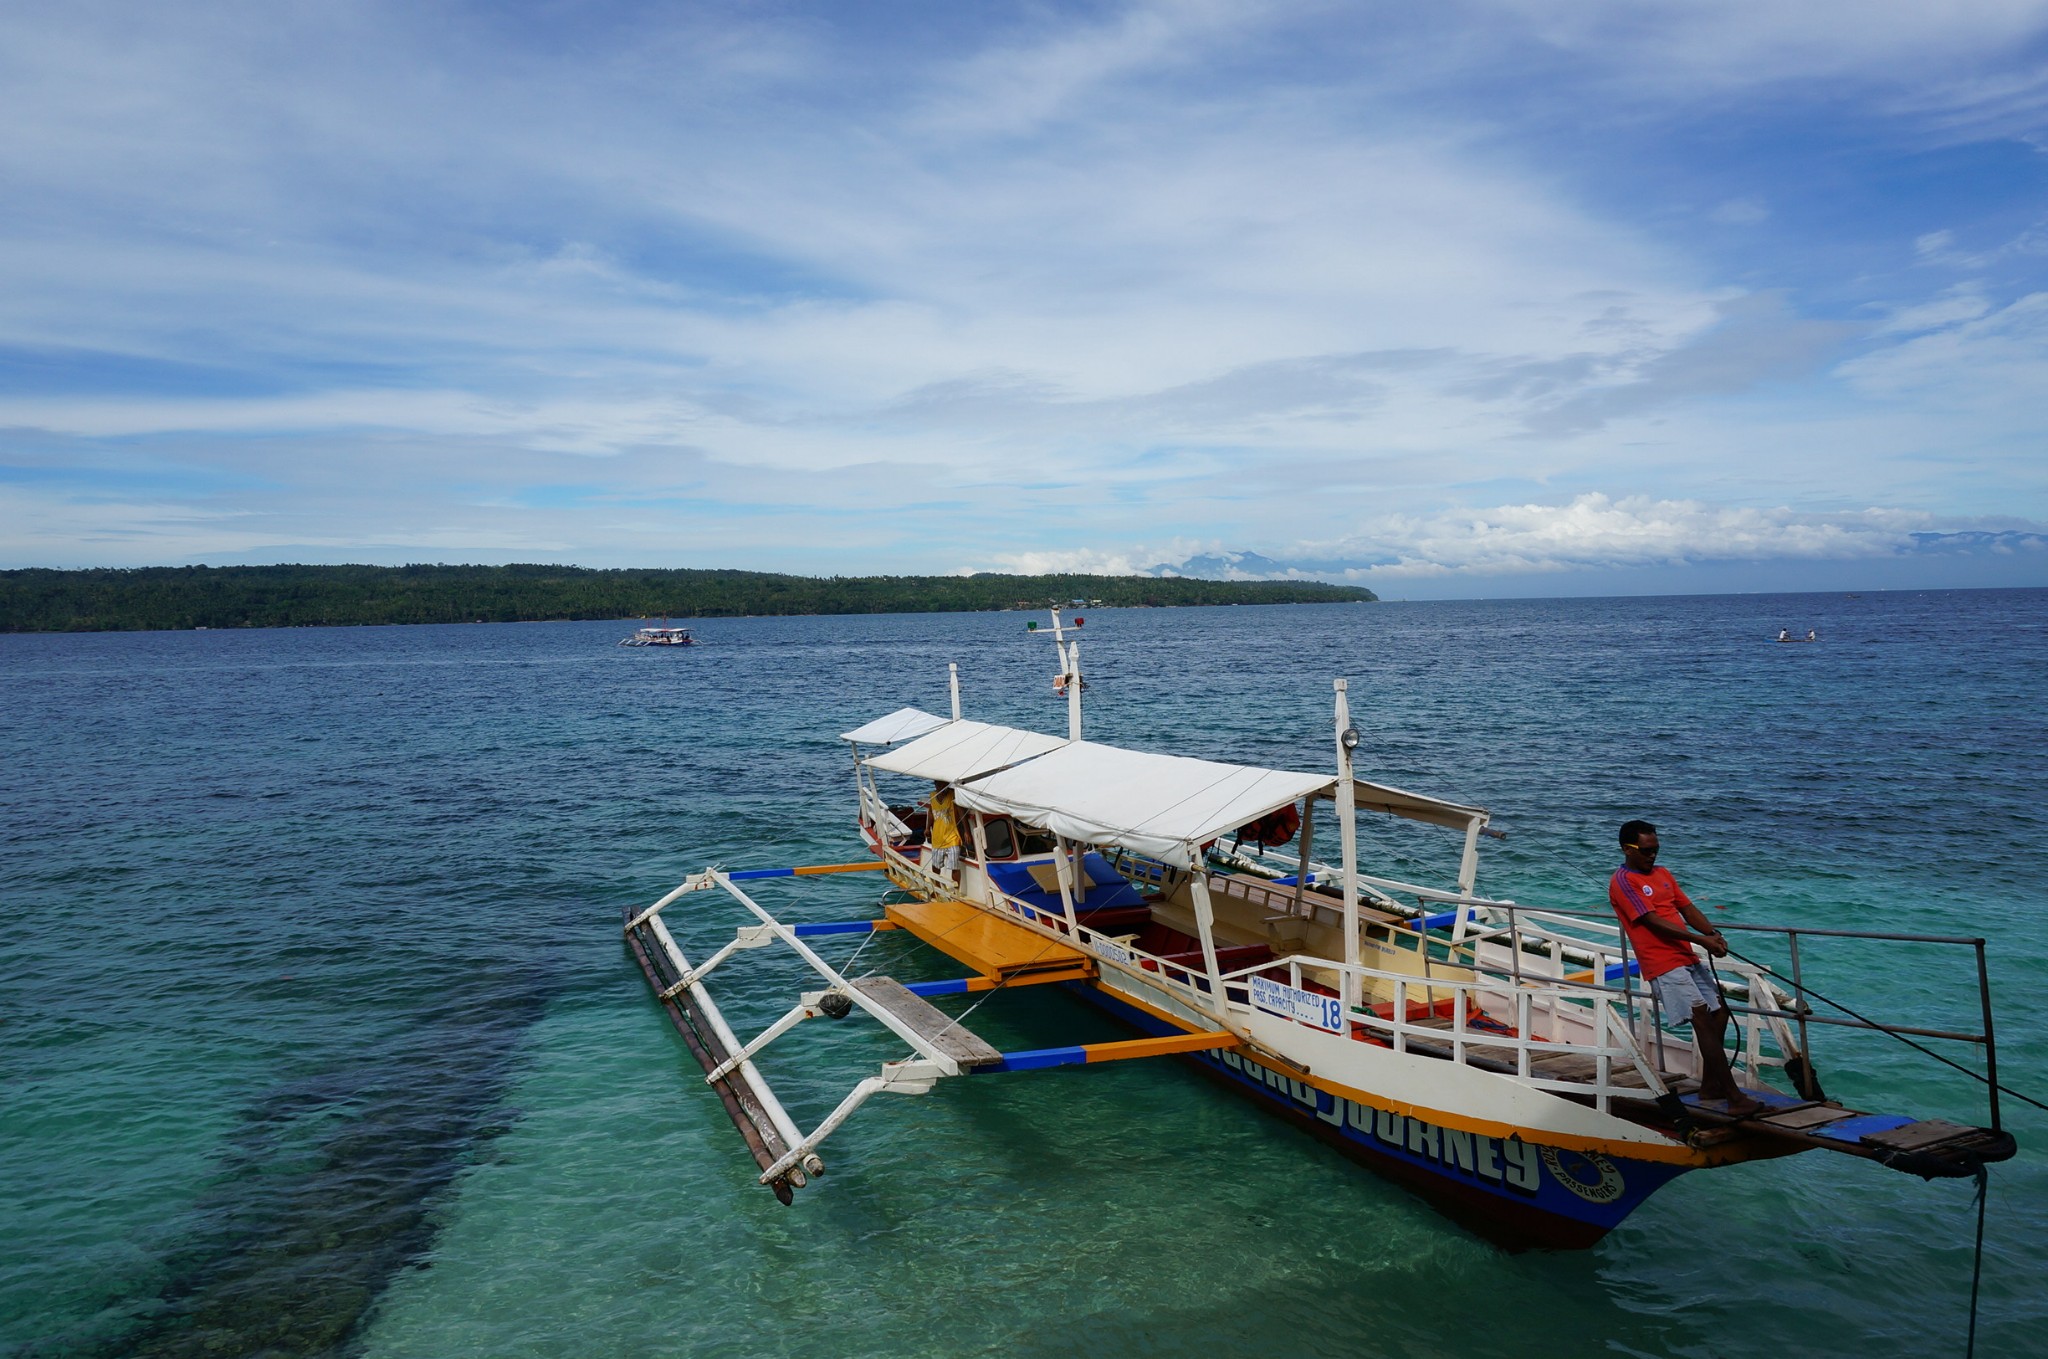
662, 636
1504, 1060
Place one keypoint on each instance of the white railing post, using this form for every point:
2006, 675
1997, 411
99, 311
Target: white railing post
1066, 873
1205, 927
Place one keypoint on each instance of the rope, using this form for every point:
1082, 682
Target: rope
1001, 982
854, 957
1779, 979
957, 1020
1977, 1263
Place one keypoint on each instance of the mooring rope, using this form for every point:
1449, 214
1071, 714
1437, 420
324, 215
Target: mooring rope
1983, 1172
1778, 978
1977, 1263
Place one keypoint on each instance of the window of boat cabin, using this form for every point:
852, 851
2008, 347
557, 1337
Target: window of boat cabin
998, 833
1006, 839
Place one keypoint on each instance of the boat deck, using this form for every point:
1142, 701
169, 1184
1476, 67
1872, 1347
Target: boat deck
990, 945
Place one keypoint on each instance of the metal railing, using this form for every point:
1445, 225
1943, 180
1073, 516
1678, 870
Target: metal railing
1567, 976
1611, 1045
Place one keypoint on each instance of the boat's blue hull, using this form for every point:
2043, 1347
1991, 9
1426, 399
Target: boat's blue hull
1515, 1193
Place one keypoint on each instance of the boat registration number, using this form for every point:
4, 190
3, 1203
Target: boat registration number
1304, 1007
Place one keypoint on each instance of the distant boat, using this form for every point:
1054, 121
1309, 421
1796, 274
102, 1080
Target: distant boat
1812, 635
660, 637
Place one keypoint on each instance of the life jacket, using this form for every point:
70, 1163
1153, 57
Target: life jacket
1276, 827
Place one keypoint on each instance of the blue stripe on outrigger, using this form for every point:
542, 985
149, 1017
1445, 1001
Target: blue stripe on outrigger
801, 871
1036, 1059
956, 986
833, 927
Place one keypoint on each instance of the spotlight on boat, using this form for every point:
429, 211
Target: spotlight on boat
1349, 738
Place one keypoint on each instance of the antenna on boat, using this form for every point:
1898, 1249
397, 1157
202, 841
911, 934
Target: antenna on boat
1068, 680
953, 683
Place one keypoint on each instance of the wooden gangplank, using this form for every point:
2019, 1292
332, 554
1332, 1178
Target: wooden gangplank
931, 1023
984, 941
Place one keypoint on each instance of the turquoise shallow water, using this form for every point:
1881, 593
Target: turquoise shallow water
320, 1039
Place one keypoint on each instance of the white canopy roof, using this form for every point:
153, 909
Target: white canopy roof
1159, 805
1378, 797
962, 750
901, 725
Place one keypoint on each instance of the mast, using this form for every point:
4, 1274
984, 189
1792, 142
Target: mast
1068, 680
1347, 827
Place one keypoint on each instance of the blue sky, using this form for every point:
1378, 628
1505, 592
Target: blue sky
1483, 297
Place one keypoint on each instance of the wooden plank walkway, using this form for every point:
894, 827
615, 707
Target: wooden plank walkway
932, 1024
984, 941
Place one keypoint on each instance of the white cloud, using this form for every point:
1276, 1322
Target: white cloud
1079, 561
1599, 531
1940, 248
1591, 533
1013, 87
1970, 362
1741, 212
1000, 286
1934, 245
1738, 43
1964, 302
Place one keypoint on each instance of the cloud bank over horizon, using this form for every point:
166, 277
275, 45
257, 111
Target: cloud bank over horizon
1433, 301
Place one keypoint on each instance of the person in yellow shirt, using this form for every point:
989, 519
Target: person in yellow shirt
944, 862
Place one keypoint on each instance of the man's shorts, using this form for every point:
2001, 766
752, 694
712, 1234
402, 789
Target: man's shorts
944, 860
1682, 988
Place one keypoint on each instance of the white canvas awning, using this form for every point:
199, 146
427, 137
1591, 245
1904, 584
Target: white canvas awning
1164, 806
902, 725
1378, 797
964, 750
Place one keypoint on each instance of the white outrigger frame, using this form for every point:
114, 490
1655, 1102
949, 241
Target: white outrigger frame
935, 1058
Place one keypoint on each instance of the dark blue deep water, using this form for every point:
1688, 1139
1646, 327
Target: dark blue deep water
317, 1035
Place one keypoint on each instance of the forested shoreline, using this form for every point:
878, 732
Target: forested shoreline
155, 598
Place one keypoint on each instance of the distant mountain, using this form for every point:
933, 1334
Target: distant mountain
1228, 566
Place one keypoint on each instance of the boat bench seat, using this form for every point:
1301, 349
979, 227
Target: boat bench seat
1227, 959
1116, 919
1105, 888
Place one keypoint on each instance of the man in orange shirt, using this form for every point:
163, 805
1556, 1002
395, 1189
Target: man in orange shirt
1663, 926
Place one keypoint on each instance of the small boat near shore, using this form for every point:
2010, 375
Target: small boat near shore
661, 636
1503, 1060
